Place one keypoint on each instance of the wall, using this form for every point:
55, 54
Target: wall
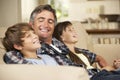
26, 8
82, 8
9, 12
14, 11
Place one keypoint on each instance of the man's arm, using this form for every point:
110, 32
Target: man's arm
14, 57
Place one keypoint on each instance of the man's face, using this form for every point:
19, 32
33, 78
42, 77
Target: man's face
44, 25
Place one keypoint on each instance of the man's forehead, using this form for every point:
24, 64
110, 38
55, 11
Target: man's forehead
46, 13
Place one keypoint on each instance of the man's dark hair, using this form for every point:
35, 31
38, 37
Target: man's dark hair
41, 8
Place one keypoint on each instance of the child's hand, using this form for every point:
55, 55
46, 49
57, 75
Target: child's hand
116, 63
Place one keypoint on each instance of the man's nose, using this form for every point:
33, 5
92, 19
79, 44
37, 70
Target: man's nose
46, 23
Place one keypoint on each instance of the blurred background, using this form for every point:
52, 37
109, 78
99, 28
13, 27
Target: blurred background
12, 11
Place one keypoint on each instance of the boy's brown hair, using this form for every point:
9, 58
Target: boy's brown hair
14, 34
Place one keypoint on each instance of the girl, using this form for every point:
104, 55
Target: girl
65, 32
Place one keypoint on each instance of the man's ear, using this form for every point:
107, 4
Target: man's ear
30, 23
18, 47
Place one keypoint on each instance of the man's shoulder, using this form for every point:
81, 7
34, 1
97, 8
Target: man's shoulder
56, 42
14, 57
10, 53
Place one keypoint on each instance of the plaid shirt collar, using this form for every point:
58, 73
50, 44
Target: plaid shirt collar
56, 43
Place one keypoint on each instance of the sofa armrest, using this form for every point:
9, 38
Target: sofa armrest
38, 72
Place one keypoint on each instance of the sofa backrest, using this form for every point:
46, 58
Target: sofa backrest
84, 40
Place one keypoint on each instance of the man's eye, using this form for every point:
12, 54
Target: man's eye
41, 20
51, 21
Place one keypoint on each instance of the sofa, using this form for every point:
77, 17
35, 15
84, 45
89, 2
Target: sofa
37, 72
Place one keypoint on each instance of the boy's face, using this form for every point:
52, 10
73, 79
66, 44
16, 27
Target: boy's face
30, 41
44, 25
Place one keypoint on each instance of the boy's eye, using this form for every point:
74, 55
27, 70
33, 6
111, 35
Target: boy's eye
34, 32
28, 35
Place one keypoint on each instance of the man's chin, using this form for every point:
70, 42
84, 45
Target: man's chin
43, 37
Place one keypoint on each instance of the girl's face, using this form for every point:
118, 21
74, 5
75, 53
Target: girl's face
30, 41
69, 35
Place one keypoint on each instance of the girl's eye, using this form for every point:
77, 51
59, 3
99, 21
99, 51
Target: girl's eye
69, 30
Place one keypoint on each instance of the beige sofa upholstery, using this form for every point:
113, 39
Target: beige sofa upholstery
2, 52
37, 72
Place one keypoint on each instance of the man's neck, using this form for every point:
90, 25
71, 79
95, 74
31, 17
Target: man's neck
48, 40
